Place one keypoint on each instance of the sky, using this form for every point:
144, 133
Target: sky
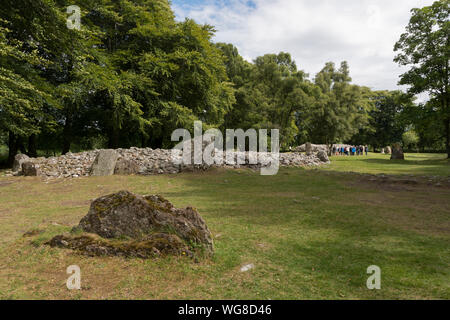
362, 32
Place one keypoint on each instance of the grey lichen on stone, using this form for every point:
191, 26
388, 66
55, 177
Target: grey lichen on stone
18, 160
105, 163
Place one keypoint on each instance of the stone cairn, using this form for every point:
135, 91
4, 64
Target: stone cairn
143, 161
130, 225
310, 148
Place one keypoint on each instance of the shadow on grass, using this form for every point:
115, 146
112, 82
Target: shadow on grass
316, 236
312, 223
409, 270
407, 162
415, 165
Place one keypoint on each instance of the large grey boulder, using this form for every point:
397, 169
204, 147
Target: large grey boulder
323, 156
130, 225
18, 160
30, 169
105, 163
125, 214
397, 152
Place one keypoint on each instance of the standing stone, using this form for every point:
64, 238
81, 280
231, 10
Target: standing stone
30, 169
308, 149
388, 150
18, 160
105, 163
397, 152
323, 156
382, 151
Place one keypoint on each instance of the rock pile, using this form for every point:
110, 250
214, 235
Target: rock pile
68, 165
130, 225
145, 161
313, 148
301, 160
323, 156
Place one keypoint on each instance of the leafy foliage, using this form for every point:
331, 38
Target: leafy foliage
425, 46
133, 74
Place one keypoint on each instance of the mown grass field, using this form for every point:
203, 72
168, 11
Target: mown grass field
414, 164
311, 234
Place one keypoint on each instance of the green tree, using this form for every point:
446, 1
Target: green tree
144, 76
33, 39
427, 124
340, 109
425, 46
278, 91
245, 111
387, 119
238, 70
410, 139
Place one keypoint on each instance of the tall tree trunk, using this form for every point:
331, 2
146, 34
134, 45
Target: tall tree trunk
447, 129
21, 145
447, 108
32, 149
67, 136
66, 145
156, 142
113, 139
446, 112
330, 149
144, 141
13, 147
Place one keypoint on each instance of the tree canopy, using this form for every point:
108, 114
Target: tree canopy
425, 46
132, 74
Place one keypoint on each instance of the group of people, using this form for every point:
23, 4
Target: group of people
350, 150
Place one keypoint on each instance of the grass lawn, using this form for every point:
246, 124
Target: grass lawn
376, 163
3, 153
311, 234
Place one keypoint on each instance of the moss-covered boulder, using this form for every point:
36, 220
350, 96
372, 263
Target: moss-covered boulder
128, 224
152, 246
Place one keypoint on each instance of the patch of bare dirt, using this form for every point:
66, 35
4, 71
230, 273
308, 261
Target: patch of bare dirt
5, 183
75, 203
416, 204
400, 183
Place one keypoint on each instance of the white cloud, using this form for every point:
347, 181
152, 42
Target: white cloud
362, 32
